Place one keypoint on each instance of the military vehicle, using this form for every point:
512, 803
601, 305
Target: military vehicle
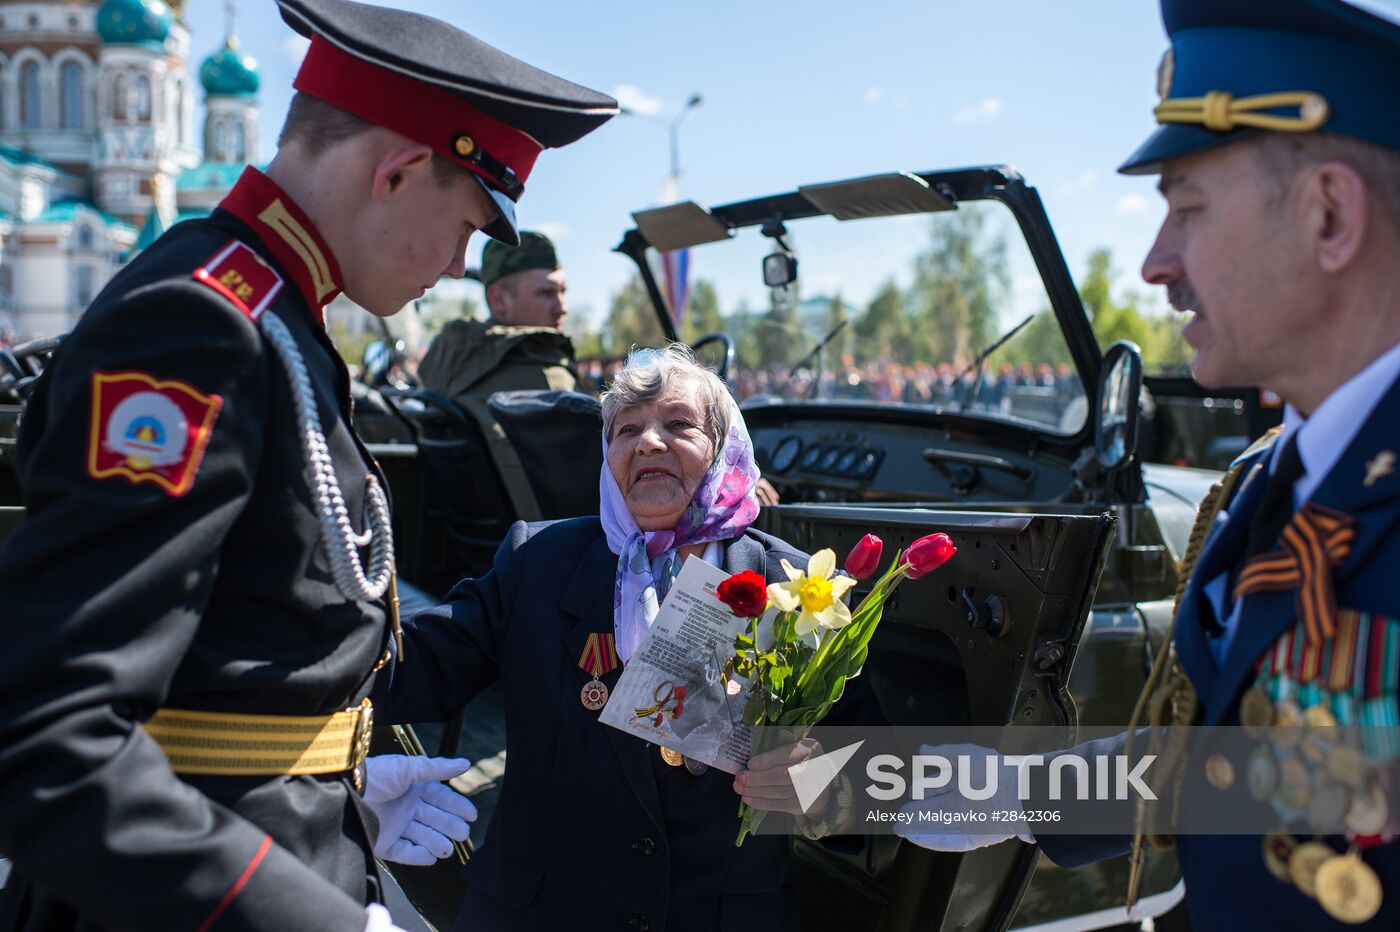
914, 423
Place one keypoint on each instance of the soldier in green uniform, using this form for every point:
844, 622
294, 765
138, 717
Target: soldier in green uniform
520, 346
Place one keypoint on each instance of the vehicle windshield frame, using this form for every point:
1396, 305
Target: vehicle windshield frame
999, 183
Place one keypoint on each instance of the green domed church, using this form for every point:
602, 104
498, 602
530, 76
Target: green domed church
100, 151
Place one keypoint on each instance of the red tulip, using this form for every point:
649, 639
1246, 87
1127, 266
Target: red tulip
864, 556
927, 554
745, 593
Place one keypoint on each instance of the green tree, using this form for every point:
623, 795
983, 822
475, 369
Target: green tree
1041, 341
884, 330
744, 325
780, 341
631, 319
840, 345
960, 283
1122, 317
702, 313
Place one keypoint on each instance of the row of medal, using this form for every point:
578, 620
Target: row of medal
1315, 766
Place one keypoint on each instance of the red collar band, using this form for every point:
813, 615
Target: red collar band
289, 235
423, 112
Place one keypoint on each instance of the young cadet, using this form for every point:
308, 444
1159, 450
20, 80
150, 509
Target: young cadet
195, 609
1279, 157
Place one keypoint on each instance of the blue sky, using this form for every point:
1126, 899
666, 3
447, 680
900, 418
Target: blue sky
805, 92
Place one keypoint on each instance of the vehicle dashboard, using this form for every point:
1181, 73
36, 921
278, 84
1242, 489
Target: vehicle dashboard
855, 458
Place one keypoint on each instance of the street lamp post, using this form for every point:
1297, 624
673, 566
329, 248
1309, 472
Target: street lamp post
672, 129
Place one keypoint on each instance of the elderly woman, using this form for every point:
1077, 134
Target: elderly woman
594, 828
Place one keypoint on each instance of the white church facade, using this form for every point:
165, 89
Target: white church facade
99, 149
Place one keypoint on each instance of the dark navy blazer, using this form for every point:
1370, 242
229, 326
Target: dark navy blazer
592, 830
1227, 885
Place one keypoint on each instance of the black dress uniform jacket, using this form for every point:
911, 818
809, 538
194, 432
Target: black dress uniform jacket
122, 595
593, 830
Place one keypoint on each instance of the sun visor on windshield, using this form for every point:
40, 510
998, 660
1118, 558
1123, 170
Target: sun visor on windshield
677, 226
876, 196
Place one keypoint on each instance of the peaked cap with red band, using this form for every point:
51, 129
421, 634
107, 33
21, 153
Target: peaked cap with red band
422, 78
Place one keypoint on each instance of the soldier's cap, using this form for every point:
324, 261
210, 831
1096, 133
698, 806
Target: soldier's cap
1238, 67
535, 251
422, 78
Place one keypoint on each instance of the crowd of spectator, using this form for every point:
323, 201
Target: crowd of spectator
920, 383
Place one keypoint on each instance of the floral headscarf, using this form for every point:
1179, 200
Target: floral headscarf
724, 505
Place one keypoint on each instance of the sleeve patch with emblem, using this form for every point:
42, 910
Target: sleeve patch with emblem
241, 275
149, 430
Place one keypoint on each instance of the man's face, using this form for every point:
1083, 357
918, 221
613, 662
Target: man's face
416, 237
532, 298
1230, 251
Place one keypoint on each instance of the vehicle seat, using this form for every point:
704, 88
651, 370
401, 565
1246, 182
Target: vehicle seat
557, 436
463, 487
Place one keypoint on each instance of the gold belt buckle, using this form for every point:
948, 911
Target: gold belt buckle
364, 725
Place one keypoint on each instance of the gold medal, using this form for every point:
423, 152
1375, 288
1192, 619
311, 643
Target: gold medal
1321, 733
599, 657
1319, 716
1220, 772
1369, 812
1294, 785
1261, 773
1315, 748
1256, 712
1278, 849
1345, 765
1288, 724
1348, 889
674, 758
1328, 807
594, 695
1304, 863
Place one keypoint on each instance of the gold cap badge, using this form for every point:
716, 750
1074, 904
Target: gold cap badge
464, 145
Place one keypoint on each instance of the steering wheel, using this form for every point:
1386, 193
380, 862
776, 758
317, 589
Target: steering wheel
726, 359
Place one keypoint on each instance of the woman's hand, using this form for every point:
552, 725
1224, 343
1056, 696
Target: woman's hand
767, 784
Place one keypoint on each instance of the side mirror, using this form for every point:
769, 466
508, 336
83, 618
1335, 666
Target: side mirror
779, 269
1116, 421
376, 362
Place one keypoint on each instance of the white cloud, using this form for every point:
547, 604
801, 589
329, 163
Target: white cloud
983, 112
1131, 204
553, 229
1082, 182
874, 95
633, 98
294, 47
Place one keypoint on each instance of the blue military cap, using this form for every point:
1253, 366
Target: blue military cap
1239, 66
473, 104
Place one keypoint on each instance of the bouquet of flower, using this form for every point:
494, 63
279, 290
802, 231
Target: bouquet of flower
817, 642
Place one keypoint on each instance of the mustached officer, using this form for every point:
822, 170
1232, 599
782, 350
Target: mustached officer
195, 609
1279, 159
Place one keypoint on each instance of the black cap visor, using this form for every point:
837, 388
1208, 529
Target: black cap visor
1175, 141
503, 227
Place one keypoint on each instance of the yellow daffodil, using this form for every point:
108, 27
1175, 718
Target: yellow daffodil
817, 593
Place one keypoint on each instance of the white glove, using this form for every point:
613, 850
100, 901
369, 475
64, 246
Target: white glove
377, 919
928, 830
419, 818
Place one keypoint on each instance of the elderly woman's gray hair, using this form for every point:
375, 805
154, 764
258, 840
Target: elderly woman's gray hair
649, 373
